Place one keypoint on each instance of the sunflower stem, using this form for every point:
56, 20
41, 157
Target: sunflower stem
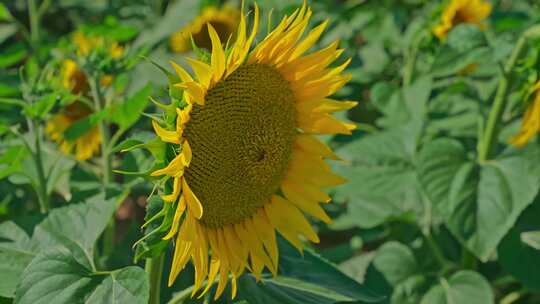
154, 269
410, 62
34, 17
43, 197
104, 130
489, 140
106, 173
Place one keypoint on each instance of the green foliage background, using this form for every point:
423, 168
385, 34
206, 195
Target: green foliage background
438, 207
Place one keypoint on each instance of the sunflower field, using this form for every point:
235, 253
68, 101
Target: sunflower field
270, 151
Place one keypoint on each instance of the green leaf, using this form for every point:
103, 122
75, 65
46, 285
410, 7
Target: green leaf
396, 271
82, 126
5, 15
13, 54
129, 111
54, 276
396, 262
515, 256
6, 31
403, 106
76, 226
531, 238
465, 37
12, 159
411, 290
322, 284
479, 203
41, 107
157, 222
127, 285
462, 287
15, 255
382, 179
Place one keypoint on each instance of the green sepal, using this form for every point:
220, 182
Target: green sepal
202, 54
174, 92
158, 221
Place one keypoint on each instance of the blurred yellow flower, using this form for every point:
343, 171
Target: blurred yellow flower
462, 11
531, 121
248, 162
85, 44
224, 20
83, 147
75, 80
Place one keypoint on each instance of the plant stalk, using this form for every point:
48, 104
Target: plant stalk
106, 167
43, 197
34, 17
104, 131
154, 269
491, 133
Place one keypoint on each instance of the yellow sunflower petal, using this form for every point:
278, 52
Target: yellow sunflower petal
202, 70
176, 220
195, 91
193, 202
177, 185
165, 135
218, 55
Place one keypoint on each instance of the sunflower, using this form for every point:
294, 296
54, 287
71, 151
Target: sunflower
85, 44
531, 121
87, 144
75, 80
224, 20
247, 162
462, 11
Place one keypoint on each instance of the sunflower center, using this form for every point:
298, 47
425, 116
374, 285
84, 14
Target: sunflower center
460, 17
242, 143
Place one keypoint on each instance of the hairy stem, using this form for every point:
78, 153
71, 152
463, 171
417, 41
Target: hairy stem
154, 269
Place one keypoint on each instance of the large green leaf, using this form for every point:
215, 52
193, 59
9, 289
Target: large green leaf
380, 167
75, 228
55, 276
463, 287
479, 203
402, 106
381, 174
77, 225
16, 252
322, 284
